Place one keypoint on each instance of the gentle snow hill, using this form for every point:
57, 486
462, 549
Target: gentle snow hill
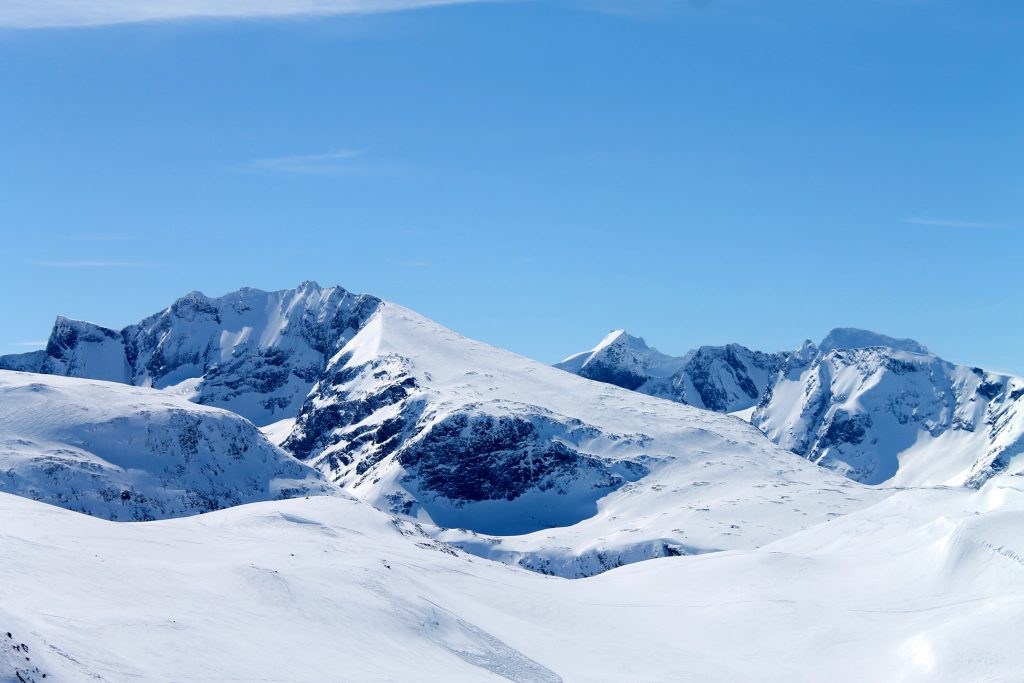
541, 468
129, 453
923, 586
252, 352
877, 409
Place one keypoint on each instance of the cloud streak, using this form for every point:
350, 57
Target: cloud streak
326, 162
337, 162
89, 264
77, 13
952, 224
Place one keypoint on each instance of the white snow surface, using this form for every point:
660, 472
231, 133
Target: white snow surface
922, 586
632, 477
131, 453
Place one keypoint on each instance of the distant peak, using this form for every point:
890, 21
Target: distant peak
611, 338
623, 338
853, 338
63, 322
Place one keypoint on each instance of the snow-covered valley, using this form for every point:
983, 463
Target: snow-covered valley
923, 586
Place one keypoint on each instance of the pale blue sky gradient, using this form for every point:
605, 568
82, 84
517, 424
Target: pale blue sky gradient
534, 174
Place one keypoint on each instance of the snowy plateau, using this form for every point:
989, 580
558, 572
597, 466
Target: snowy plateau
315, 485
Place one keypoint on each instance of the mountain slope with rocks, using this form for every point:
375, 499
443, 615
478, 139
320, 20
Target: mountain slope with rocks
903, 417
541, 468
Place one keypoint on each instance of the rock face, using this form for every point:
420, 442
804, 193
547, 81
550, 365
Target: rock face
875, 408
132, 454
23, 362
541, 468
252, 352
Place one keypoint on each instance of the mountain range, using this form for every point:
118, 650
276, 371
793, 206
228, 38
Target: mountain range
326, 477
501, 455
874, 408
252, 352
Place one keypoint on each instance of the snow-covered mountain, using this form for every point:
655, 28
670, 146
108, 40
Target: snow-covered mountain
876, 408
252, 352
422, 422
921, 587
535, 466
896, 413
130, 453
721, 378
542, 468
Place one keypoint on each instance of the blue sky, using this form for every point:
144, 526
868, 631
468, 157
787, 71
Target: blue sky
532, 174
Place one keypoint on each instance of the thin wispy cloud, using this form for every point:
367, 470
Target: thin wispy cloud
31, 343
409, 263
325, 162
641, 8
72, 13
89, 264
940, 223
341, 162
102, 238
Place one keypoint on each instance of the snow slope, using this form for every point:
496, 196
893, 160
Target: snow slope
129, 453
542, 468
923, 586
252, 352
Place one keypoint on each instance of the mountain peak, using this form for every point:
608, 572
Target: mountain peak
623, 338
854, 338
